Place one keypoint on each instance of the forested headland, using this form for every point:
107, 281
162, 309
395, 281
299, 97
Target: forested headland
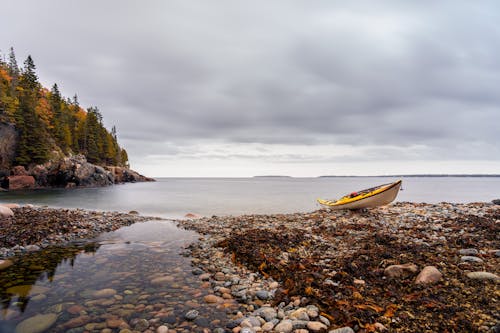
40, 126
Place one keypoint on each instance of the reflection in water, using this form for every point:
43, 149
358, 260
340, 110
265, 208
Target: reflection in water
129, 277
17, 283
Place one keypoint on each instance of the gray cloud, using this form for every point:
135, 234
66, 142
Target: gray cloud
173, 73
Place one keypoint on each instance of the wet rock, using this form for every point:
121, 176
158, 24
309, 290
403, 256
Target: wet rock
430, 274
36, 324
103, 293
483, 276
191, 315
77, 322
163, 280
496, 201
21, 182
212, 299
400, 271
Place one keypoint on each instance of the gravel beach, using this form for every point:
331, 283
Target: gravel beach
32, 228
401, 268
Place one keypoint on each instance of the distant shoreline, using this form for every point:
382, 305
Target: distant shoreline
417, 175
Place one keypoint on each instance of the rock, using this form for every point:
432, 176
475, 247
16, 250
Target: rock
36, 324
345, 329
324, 320
496, 201
247, 330
262, 294
125, 175
103, 293
21, 182
162, 280
471, 259
191, 314
10, 205
5, 264
284, 326
400, 271
316, 326
468, 252
77, 322
5, 212
141, 325
268, 326
192, 216
483, 276
266, 312
212, 299
19, 170
430, 274
162, 329
219, 276
300, 314
75, 309
250, 322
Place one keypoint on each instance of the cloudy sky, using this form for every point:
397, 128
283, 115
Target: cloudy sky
300, 88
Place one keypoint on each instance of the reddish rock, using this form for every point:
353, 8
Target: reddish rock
75, 309
5, 212
430, 274
77, 322
400, 271
21, 182
19, 171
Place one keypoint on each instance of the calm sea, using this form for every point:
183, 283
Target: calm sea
174, 197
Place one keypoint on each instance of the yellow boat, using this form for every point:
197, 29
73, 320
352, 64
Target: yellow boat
369, 198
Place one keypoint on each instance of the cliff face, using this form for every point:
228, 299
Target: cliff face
68, 172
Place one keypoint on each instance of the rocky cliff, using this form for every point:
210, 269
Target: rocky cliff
68, 172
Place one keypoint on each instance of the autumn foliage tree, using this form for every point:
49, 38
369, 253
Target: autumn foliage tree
47, 122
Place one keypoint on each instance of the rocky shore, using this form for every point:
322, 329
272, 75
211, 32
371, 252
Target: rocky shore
31, 228
402, 268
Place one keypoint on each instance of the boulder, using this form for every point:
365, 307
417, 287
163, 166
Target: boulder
126, 175
496, 201
5, 212
21, 182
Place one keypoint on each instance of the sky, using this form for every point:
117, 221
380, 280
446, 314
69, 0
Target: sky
232, 88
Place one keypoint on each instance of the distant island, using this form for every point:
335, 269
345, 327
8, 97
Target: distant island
48, 140
272, 176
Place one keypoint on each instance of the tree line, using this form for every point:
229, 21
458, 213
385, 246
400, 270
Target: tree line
47, 122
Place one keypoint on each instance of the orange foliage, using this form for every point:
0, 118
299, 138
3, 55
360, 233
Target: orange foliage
4, 75
44, 111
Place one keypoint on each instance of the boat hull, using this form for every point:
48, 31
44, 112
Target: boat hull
380, 198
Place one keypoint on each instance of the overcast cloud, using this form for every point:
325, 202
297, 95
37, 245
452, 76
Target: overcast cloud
238, 88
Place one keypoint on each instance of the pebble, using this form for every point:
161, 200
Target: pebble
483, 276
284, 326
430, 274
468, 252
103, 293
398, 271
316, 326
191, 314
471, 259
36, 324
5, 264
345, 329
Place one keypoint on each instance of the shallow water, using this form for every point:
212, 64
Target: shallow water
174, 197
126, 262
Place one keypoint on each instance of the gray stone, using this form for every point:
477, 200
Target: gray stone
266, 312
471, 259
141, 325
250, 322
298, 324
262, 294
324, 320
468, 252
191, 314
496, 201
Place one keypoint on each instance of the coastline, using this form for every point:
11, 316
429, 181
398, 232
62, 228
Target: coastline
323, 270
396, 268
32, 228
